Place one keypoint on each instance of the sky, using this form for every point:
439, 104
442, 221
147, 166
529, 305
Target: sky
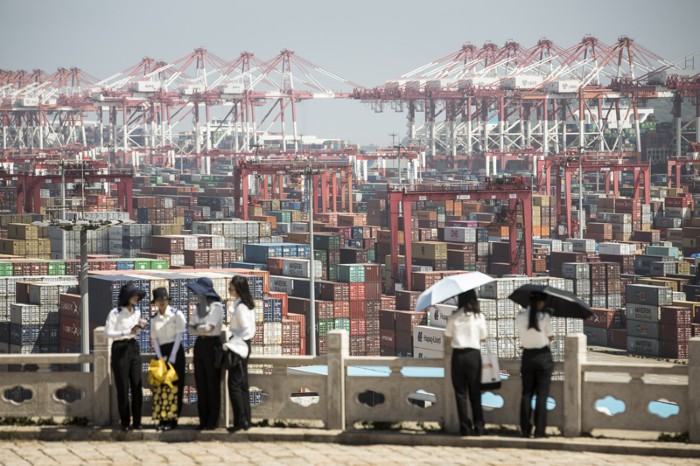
368, 42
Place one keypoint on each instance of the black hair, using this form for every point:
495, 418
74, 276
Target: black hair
533, 320
468, 302
240, 284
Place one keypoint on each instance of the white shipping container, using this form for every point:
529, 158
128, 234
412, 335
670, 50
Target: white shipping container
522, 82
431, 338
460, 234
616, 248
438, 315
563, 86
677, 212
423, 353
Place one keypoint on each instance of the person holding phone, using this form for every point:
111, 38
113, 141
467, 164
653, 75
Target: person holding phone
122, 326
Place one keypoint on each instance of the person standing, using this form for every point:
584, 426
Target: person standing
242, 326
122, 326
206, 324
167, 331
535, 330
467, 328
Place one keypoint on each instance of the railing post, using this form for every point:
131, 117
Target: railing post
338, 350
102, 399
694, 389
450, 417
574, 357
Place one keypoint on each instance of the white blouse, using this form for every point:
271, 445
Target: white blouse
529, 337
165, 328
242, 321
210, 324
466, 329
119, 323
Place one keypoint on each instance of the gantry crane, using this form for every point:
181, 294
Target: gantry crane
512, 190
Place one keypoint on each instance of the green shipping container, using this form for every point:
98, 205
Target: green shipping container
57, 268
159, 265
351, 273
332, 273
325, 326
6, 269
342, 324
327, 242
142, 264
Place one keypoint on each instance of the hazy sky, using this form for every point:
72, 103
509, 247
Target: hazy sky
367, 42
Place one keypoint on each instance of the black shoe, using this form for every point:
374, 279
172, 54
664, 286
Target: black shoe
167, 427
137, 427
126, 428
479, 431
234, 429
159, 428
541, 435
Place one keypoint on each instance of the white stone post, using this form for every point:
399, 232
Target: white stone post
574, 357
102, 397
693, 389
338, 350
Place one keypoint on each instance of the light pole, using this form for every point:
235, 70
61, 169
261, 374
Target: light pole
83, 226
580, 193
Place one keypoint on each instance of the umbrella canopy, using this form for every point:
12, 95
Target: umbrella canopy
451, 286
561, 303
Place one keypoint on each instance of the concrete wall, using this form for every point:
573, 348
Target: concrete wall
338, 402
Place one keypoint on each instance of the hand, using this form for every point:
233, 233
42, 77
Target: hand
135, 330
143, 322
172, 360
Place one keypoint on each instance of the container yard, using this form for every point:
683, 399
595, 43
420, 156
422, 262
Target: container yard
333, 236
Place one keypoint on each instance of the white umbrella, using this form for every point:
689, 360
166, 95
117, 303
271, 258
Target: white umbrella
450, 287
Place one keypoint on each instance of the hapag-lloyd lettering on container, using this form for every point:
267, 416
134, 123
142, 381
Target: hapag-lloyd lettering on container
428, 337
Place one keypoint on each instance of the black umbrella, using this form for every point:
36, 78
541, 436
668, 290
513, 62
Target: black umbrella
561, 303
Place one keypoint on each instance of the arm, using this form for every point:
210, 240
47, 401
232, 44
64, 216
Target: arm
156, 346
176, 345
483, 331
547, 327
110, 326
449, 331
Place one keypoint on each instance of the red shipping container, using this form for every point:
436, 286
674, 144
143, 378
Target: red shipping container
69, 330
405, 321
373, 290
676, 333
341, 309
357, 291
388, 302
601, 318
617, 338
69, 306
673, 349
358, 346
387, 338
357, 310
387, 319
302, 323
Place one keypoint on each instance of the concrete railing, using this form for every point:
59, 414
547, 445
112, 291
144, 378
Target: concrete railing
588, 396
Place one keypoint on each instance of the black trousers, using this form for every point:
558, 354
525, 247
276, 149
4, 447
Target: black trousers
239, 392
466, 380
208, 381
126, 366
179, 368
536, 373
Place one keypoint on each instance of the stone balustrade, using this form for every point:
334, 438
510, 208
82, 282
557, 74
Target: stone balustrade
585, 396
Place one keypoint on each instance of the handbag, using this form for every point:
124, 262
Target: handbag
225, 359
490, 372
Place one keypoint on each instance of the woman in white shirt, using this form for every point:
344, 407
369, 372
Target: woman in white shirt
167, 331
535, 330
467, 327
206, 324
243, 327
122, 326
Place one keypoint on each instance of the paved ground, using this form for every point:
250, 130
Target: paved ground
123, 453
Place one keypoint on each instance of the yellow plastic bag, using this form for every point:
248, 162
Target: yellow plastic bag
161, 373
156, 372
